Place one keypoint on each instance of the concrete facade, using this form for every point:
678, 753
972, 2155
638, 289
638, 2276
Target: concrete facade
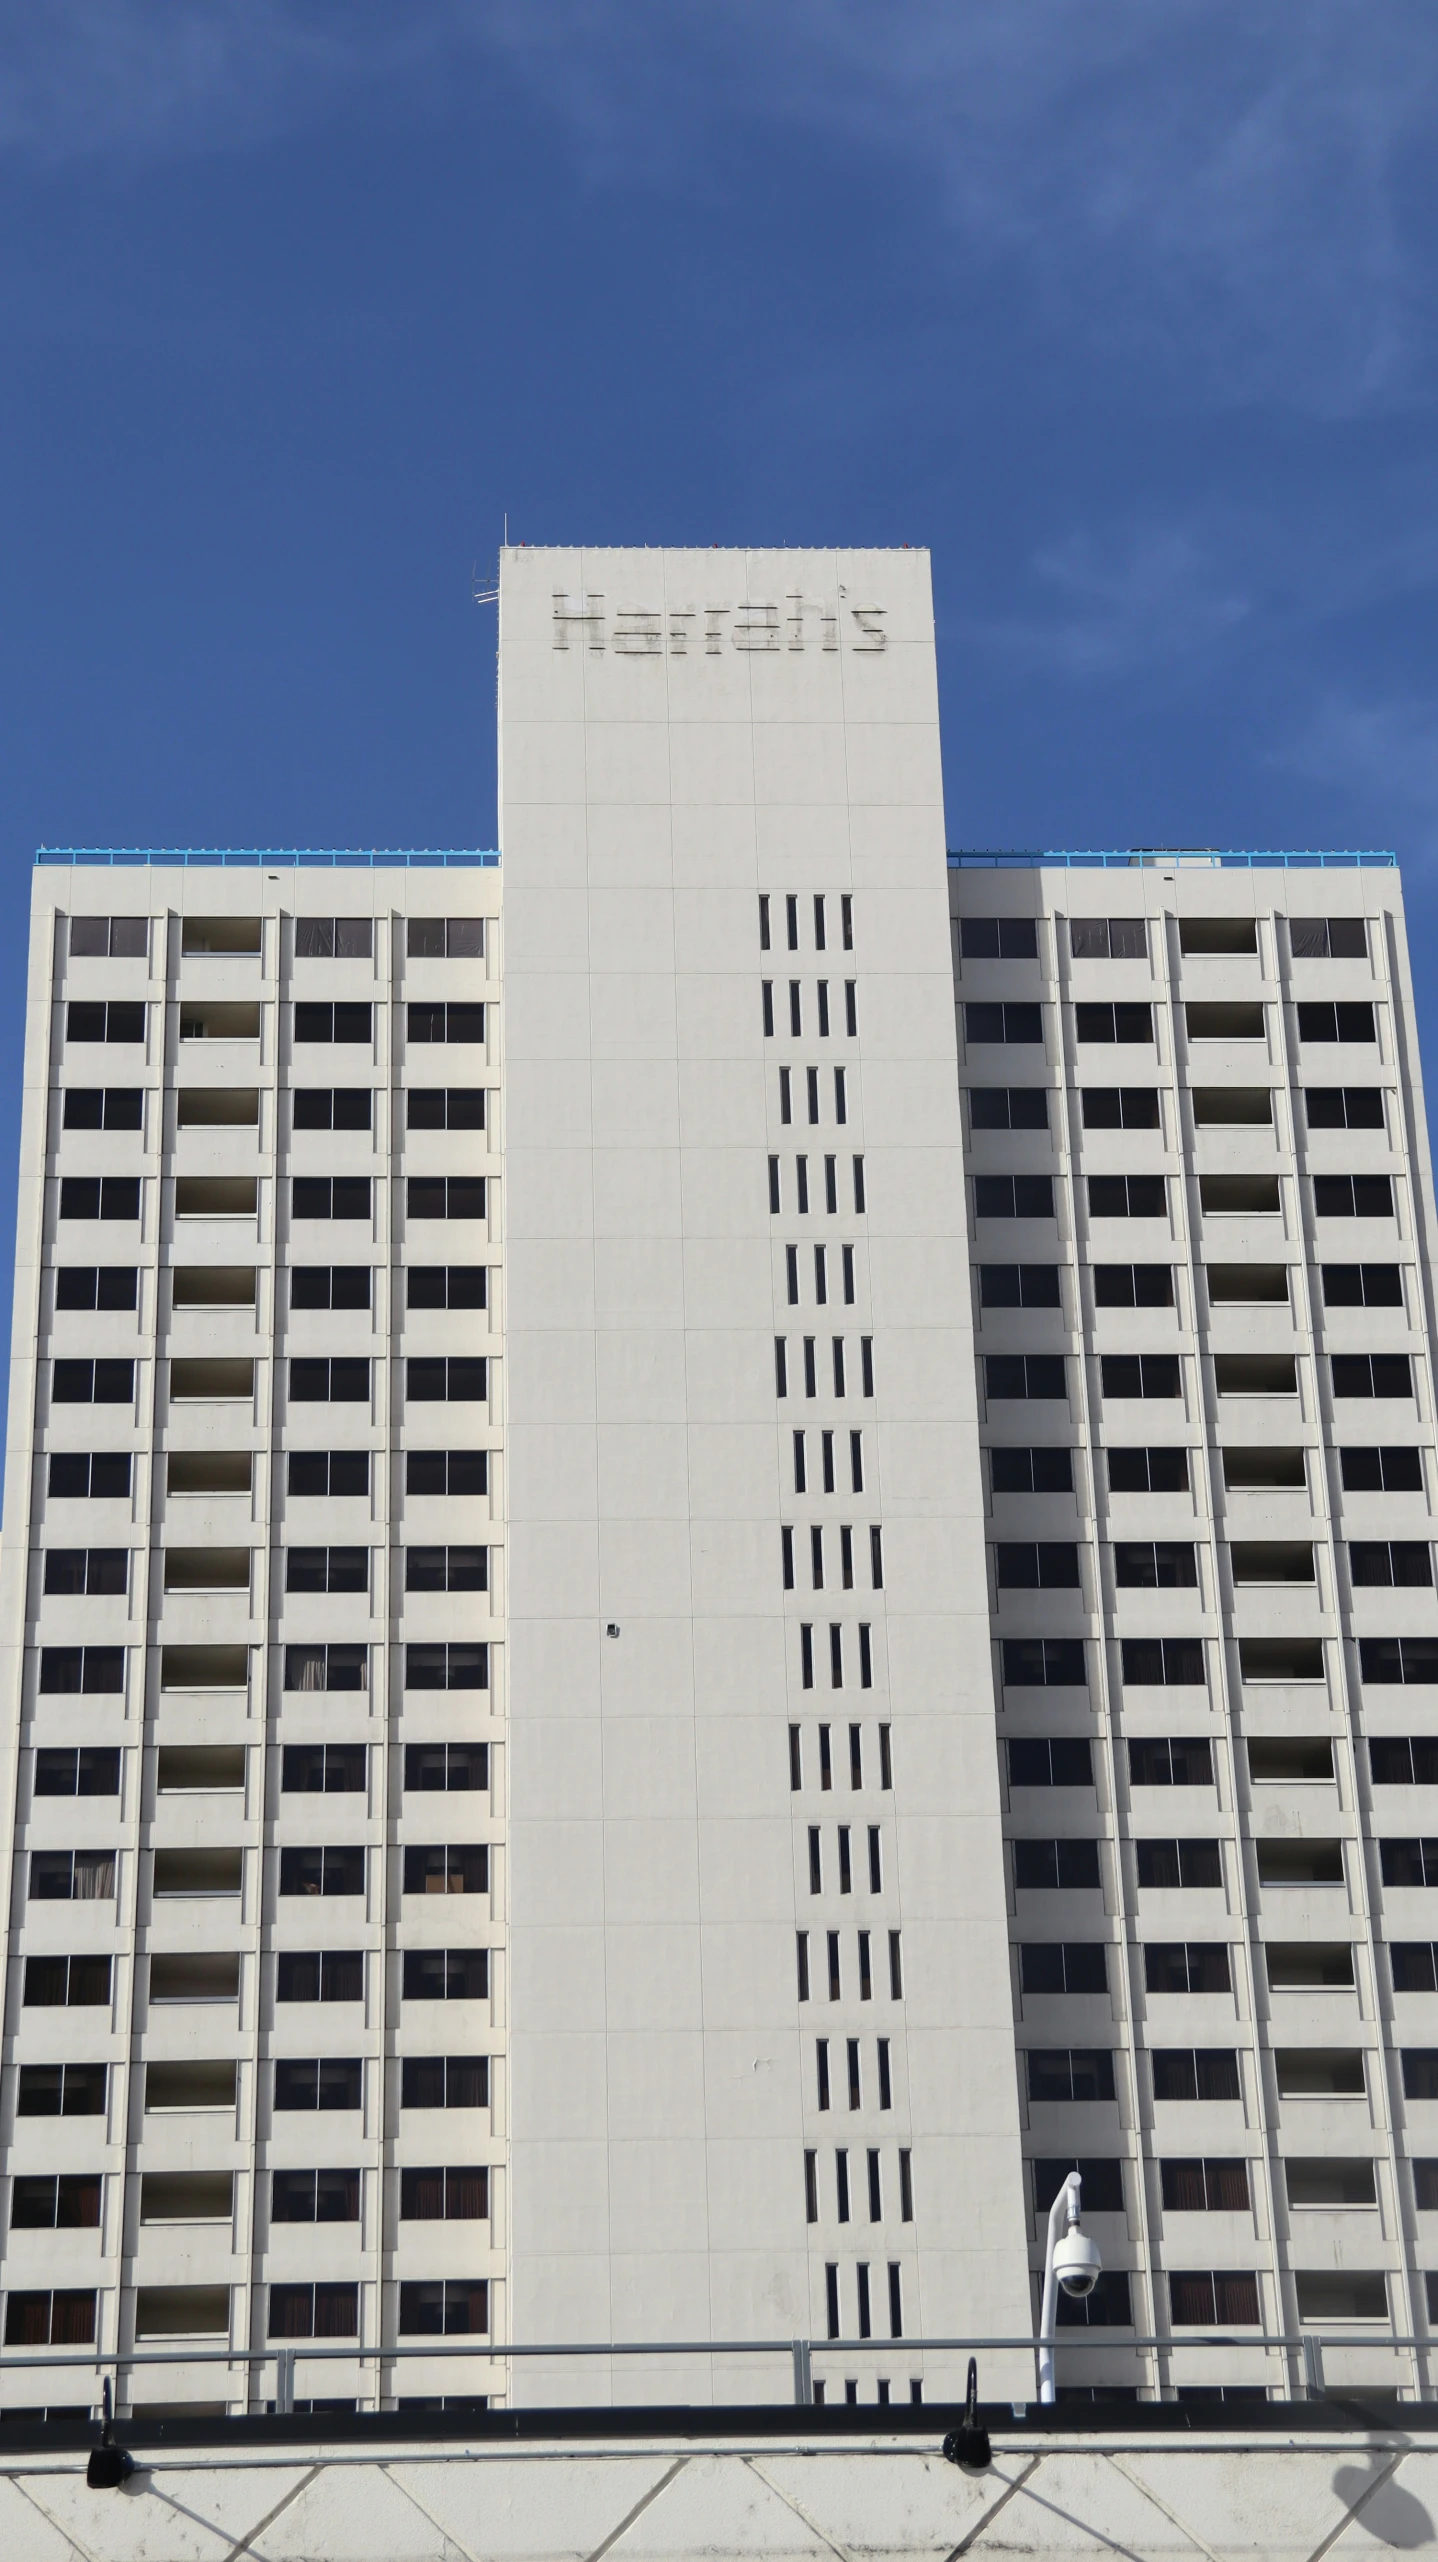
733, 1523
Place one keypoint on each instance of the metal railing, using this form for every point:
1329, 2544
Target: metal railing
1139, 858
222, 857
1309, 2346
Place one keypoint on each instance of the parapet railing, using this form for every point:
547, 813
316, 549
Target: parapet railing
221, 857
1195, 857
1310, 2346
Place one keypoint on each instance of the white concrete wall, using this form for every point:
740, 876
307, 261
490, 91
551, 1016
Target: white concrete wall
682, 733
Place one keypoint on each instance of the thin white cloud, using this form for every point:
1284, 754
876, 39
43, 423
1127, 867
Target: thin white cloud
1212, 191
1130, 600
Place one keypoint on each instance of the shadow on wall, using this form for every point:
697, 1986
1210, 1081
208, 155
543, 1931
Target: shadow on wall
1380, 2505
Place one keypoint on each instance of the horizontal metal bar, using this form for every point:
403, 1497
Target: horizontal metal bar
356, 2353
1195, 857
218, 858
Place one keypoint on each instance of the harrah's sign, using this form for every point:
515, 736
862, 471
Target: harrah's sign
692, 631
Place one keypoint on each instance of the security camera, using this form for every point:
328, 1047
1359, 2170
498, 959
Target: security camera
1078, 2262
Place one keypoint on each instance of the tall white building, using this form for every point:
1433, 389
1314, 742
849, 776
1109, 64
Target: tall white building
713, 1551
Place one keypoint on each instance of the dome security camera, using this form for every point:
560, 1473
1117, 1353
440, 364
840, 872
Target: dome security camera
1078, 2263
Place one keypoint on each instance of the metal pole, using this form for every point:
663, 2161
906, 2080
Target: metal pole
1313, 2368
284, 2380
803, 2372
1064, 2210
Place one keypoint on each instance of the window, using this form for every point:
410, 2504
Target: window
1403, 1761
1290, 1757
1324, 938
1013, 1196
1195, 2072
1108, 938
1372, 1374
445, 938
446, 1766
331, 1870
1213, 2299
440, 1196
1029, 1661
1344, 1107
107, 1285
446, 1285
61, 2090
329, 1285
1170, 1761
1353, 1196
1155, 1565
328, 1472
445, 1022
1224, 1022
87, 1570
82, 1668
1102, 2185
331, 2081
1336, 1023
446, 1472
1390, 1561
1040, 1565
1008, 1107
110, 1107
332, 1022
460, 1378
1169, 1864
1362, 1285
1042, 1471
1044, 1867
440, 1107
1025, 1374
338, 1107
1141, 1374
1380, 1471
115, 938
317, 1668
320, 1975
446, 1570
328, 2311
1404, 1863
446, 1974
1186, 1966
440, 1868
444, 2196
72, 1876
325, 1196
1232, 1107
322, 1770
1113, 1023
1255, 1374
89, 1770
1132, 1285
1070, 2073
985, 1023
1161, 1471
1120, 1107
1263, 1467
67, 1983
1019, 1285
335, 1382
327, 1570
444, 2081
444, 2306
1332, 2181
998, 938
104, 1022
1050, 1761
55, 2203
446, 1667
99, 1196
334, 938
1127, 1196
314, 2197
42, 2318
99, 1473
1217, 934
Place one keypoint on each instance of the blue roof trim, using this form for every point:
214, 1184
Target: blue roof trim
202, 858
1194, 859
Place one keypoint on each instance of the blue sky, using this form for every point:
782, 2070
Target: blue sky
1126, 311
